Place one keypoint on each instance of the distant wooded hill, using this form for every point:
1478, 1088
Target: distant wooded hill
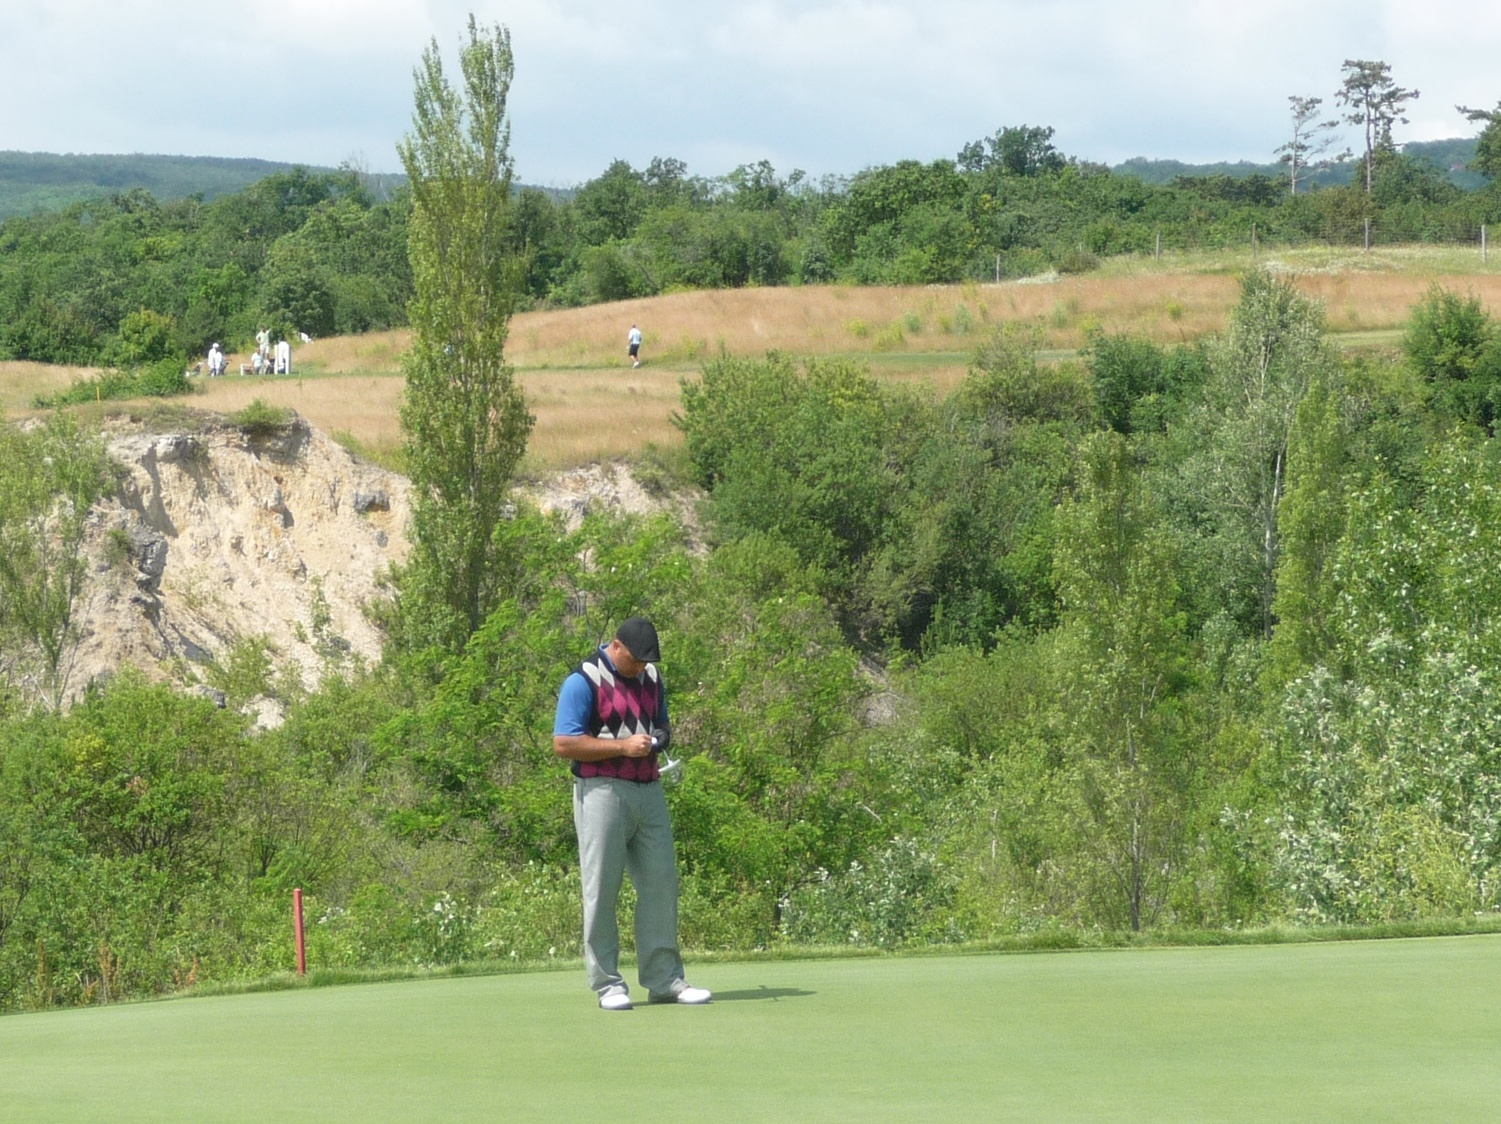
32, 181
46, 181
49, 181
1450, 156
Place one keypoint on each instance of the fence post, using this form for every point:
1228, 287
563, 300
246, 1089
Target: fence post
297, 931
1482, 243
1157, 253
1368, 236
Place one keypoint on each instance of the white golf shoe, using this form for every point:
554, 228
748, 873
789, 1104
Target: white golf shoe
691, 996
618, 1000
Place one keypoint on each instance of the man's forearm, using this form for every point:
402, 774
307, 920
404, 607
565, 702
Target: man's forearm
581, 747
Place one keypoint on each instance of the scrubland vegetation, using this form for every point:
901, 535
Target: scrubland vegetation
1163, 637
1156, 612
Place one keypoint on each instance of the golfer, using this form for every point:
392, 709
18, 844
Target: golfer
611, 722
634, 339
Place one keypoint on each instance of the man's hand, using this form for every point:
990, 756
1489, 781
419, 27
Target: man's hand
581, 747
637, 745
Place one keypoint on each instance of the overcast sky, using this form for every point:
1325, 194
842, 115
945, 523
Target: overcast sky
830, 86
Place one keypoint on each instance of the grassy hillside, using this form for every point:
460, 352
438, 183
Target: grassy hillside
589, 404
1396, 1030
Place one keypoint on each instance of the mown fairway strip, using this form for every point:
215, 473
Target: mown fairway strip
1371, 1031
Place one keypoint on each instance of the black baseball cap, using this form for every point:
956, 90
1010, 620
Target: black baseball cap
640, 639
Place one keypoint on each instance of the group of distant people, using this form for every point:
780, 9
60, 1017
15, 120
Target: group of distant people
266, 359
269, 360
277, 360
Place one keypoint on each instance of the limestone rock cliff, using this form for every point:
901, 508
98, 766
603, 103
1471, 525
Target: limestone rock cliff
215, 534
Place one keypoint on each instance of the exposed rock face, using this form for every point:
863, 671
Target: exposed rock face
218, 535
371, 501
215, 536
576, 492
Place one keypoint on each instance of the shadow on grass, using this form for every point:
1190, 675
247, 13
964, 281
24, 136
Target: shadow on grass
762, 992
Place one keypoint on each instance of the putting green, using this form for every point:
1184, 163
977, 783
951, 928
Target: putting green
1389, 1030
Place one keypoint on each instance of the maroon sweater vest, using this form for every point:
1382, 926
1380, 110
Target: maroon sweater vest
622, 707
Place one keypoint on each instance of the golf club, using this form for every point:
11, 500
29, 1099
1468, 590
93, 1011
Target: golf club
669, 767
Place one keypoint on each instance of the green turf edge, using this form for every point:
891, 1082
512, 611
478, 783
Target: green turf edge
1053, 940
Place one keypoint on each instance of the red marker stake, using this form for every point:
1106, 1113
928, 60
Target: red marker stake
297, 929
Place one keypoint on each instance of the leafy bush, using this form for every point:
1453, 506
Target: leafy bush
1007, 381
1388, 748
146, 337
662, 470
1140, 387
1452, 343
903, 894
162, 379
260, 418
50, 477
1077, 260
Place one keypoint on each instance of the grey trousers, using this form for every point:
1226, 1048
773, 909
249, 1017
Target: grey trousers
624, 827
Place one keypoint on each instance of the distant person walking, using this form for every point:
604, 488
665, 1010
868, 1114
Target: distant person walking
263, 344
215, 361
634, 339
283, 358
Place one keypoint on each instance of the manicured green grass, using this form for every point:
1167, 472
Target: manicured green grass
1370, 1031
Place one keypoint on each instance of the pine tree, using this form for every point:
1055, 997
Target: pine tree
1375, 103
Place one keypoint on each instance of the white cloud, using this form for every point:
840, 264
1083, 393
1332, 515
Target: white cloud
829, 85
339, 27
857, 33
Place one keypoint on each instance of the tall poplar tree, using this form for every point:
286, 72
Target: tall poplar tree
463, 416
1260, 369
1128, 660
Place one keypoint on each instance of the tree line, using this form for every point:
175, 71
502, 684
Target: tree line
129, 280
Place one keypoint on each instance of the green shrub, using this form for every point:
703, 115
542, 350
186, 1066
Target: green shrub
245, 671
261, 419
1007, 379
901, 895
1077, 260
162, 379
1447, 335
146, 337
890, 338
1452, 343
663, 470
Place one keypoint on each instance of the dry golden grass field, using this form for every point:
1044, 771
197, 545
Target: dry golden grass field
590, 404
20, 382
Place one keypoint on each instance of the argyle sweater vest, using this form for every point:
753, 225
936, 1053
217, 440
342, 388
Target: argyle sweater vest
621, 707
